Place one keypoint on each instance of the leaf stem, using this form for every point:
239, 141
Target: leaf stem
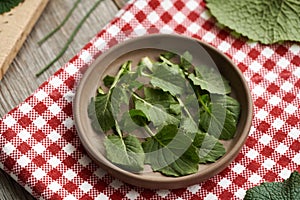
124, 67
77, 28
61, 24
184, 107
118, 129
203, 104
149, 131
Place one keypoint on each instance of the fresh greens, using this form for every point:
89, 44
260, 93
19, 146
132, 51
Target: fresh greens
156, 113
205, 76
169, 79
164, 153
219, 115
265, 21
102, 101
210, 149
108, 80
165, 114
125, 152
288, 189
7, 5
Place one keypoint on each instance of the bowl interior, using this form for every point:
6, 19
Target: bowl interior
152, 46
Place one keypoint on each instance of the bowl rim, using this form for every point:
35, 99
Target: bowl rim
137, 179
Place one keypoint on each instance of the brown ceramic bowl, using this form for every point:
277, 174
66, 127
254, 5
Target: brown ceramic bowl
150, 45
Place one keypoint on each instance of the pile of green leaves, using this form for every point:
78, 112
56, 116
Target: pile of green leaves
265, 21
167, 114
288, 189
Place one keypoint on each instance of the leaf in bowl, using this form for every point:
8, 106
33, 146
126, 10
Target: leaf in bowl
171, 152
219, 115
209, 79
126, 152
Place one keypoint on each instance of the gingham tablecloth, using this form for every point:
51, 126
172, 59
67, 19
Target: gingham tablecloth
40, 148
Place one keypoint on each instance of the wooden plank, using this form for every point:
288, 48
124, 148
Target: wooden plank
120, 3
14, 27
20, 81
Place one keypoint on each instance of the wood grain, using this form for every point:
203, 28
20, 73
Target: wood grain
120, 3
15, 26
20, 81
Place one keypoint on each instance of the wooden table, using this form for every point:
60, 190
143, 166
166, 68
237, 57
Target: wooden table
20, 81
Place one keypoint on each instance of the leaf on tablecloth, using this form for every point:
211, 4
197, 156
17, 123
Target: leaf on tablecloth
288, 189
265, 21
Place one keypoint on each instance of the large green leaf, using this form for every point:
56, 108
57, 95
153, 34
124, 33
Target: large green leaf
158, 96
102, 102
103, 112
211, 80
132, 120
171, 152
268, 21
286, 190
169, 79
125, 152
219, 117
165, 99
230, 103
156, 113
210, 149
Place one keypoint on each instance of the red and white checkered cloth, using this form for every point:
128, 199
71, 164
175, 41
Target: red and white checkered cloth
41, 150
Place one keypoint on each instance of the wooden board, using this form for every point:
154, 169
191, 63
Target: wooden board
120, 3
14, 28
20, 81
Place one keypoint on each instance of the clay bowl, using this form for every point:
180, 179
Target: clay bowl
151, 45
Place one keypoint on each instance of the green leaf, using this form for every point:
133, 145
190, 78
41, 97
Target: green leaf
138, 117
265, 21
156, 113
288, 189
169, 79
219, 116
211, 80
145, 62
93, 116
119, 101
158, 96
168, 55
102, 102
132, 120
7, 5
103, 112
108, 80
230, 103
210, 149
175, 109
186, 60
125, 152
171, 152
189, 126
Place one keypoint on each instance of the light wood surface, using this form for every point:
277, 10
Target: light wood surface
20, 81
14, 27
